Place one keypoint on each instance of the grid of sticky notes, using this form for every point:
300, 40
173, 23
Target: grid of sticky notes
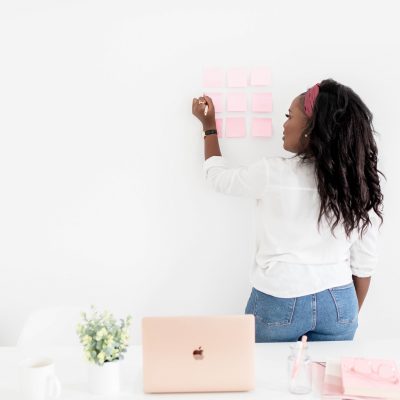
242, 100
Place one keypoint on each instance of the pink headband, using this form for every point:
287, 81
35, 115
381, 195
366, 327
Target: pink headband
309, 99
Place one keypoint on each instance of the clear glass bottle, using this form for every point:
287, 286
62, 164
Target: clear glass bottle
299, 370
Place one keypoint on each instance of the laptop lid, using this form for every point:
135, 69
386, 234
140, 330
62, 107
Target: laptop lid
198, 353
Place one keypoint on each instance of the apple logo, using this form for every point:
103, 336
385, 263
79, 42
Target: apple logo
198, 354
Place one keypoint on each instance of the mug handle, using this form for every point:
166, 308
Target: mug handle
54, 387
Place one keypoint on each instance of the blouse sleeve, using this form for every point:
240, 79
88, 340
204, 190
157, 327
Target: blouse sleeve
247, 181
364, 251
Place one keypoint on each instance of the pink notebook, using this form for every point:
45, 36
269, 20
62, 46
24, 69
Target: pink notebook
332, 386
370, 377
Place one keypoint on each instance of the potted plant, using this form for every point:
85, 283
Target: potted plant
105, 340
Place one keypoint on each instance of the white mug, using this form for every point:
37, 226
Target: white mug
37, 380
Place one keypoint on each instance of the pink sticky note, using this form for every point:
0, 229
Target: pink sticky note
219, 123
237, 77
261, 127
213, 77
235, 127
218, 101
260, 76
236, 102
262, 102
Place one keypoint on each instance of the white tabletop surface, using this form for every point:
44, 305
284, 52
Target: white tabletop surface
271, 364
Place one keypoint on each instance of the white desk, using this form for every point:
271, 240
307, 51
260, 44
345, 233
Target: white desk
271, 364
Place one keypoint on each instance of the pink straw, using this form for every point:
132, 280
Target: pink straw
298, 358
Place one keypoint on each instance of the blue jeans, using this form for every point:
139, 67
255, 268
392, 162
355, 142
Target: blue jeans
328, 315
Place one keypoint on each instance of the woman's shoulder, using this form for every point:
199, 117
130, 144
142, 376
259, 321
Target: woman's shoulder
286, 163
290, 171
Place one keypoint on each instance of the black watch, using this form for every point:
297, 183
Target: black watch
210, 132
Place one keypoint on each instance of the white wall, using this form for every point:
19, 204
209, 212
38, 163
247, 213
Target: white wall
102, 194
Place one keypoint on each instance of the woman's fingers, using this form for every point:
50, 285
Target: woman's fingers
209, 102
194, 102
201, 104
197, 107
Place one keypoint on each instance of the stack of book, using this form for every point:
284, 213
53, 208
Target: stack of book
361, 378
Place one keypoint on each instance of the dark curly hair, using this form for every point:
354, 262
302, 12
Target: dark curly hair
340, 142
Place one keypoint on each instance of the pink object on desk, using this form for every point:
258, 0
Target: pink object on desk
332, 380
332, 383
299, 355
194, 354
370, 377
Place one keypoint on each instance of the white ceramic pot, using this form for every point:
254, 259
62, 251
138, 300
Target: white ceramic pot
104, 379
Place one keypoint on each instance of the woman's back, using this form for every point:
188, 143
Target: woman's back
295, 255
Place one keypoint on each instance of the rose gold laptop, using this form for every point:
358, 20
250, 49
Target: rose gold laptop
198, 354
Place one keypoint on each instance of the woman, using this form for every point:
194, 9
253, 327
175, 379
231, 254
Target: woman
318, 215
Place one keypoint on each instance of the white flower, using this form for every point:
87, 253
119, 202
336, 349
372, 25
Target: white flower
103, 329
101, 357
101, 333
86, 340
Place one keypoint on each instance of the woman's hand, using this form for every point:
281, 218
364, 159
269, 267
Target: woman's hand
198, 108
